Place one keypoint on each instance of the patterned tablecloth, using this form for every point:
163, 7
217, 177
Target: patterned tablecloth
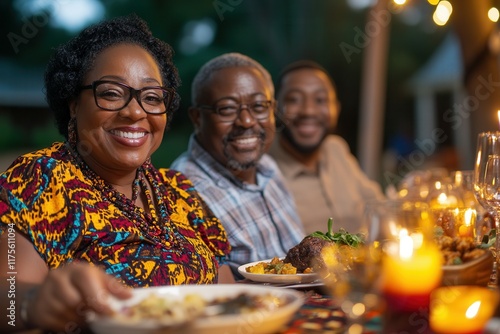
320, 314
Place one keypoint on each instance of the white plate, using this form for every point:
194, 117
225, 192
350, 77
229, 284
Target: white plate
276, 278
258, 322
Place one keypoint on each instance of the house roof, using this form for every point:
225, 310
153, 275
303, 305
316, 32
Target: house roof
443, 71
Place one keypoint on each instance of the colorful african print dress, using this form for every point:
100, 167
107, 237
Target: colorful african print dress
50, 199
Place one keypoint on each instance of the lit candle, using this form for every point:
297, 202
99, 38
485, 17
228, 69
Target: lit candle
498, 113
456, 222
466, 227
405, 245
404, 268
442, 197
461, 309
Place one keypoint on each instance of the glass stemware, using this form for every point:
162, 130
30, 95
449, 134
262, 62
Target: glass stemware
491, 189
487, 176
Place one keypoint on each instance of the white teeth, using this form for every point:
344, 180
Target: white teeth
246, 141
129, 135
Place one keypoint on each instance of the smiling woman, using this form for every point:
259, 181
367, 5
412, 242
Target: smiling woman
92, 215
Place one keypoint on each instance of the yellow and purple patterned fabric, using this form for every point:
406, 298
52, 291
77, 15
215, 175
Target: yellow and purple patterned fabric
45, 196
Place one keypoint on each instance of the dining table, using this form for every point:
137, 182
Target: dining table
321, 313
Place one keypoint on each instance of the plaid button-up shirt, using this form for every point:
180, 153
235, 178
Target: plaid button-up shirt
260, 219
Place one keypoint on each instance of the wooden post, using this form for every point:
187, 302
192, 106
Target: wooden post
373, 89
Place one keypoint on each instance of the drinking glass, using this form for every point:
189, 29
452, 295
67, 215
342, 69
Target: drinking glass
384, 220
355, 275
487, 176
352, 276
402, 231
463, 181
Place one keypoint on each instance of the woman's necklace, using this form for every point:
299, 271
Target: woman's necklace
151, 219
153, 225
136, 188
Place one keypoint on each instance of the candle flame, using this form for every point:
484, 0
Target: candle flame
473, 310
418, 240
403, 233
442, 198
405, 244
468, 217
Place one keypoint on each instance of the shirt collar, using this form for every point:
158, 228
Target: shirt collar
289, 166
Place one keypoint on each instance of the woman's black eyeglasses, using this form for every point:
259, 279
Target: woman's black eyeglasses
114, 96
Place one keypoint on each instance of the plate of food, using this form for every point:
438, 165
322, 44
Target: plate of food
276, 271
201, 309
304, 262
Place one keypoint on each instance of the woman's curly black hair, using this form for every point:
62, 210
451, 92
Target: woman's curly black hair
71, 61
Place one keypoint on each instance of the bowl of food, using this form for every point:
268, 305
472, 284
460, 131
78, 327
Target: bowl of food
476, 271
465, 261
201, 309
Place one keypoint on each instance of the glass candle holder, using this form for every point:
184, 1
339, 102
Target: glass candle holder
404, 230
456, 222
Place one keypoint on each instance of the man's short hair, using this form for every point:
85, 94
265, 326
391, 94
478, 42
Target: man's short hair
226, 60
301, 64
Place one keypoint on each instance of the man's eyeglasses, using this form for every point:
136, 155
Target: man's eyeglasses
114, 96
230, 111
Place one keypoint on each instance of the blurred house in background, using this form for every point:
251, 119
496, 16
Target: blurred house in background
21, 86
441, 132
24, 114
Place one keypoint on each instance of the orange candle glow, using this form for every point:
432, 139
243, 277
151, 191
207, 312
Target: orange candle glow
462, 309
467, 226
404, 267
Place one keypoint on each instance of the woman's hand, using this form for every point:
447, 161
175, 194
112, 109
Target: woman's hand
68, 293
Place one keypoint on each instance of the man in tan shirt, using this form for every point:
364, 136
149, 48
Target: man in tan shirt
324, 177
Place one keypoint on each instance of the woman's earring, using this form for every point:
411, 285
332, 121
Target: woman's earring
72, 136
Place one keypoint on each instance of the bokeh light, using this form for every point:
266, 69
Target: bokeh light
442, 13
493, 14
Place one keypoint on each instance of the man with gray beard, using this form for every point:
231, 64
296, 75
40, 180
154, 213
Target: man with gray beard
324, 177
233, 116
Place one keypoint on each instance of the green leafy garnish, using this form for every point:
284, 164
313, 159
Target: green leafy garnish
341, 237
438, 231
488, 240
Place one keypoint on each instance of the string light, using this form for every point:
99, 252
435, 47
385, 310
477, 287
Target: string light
493, 14
444, 9
442, 13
